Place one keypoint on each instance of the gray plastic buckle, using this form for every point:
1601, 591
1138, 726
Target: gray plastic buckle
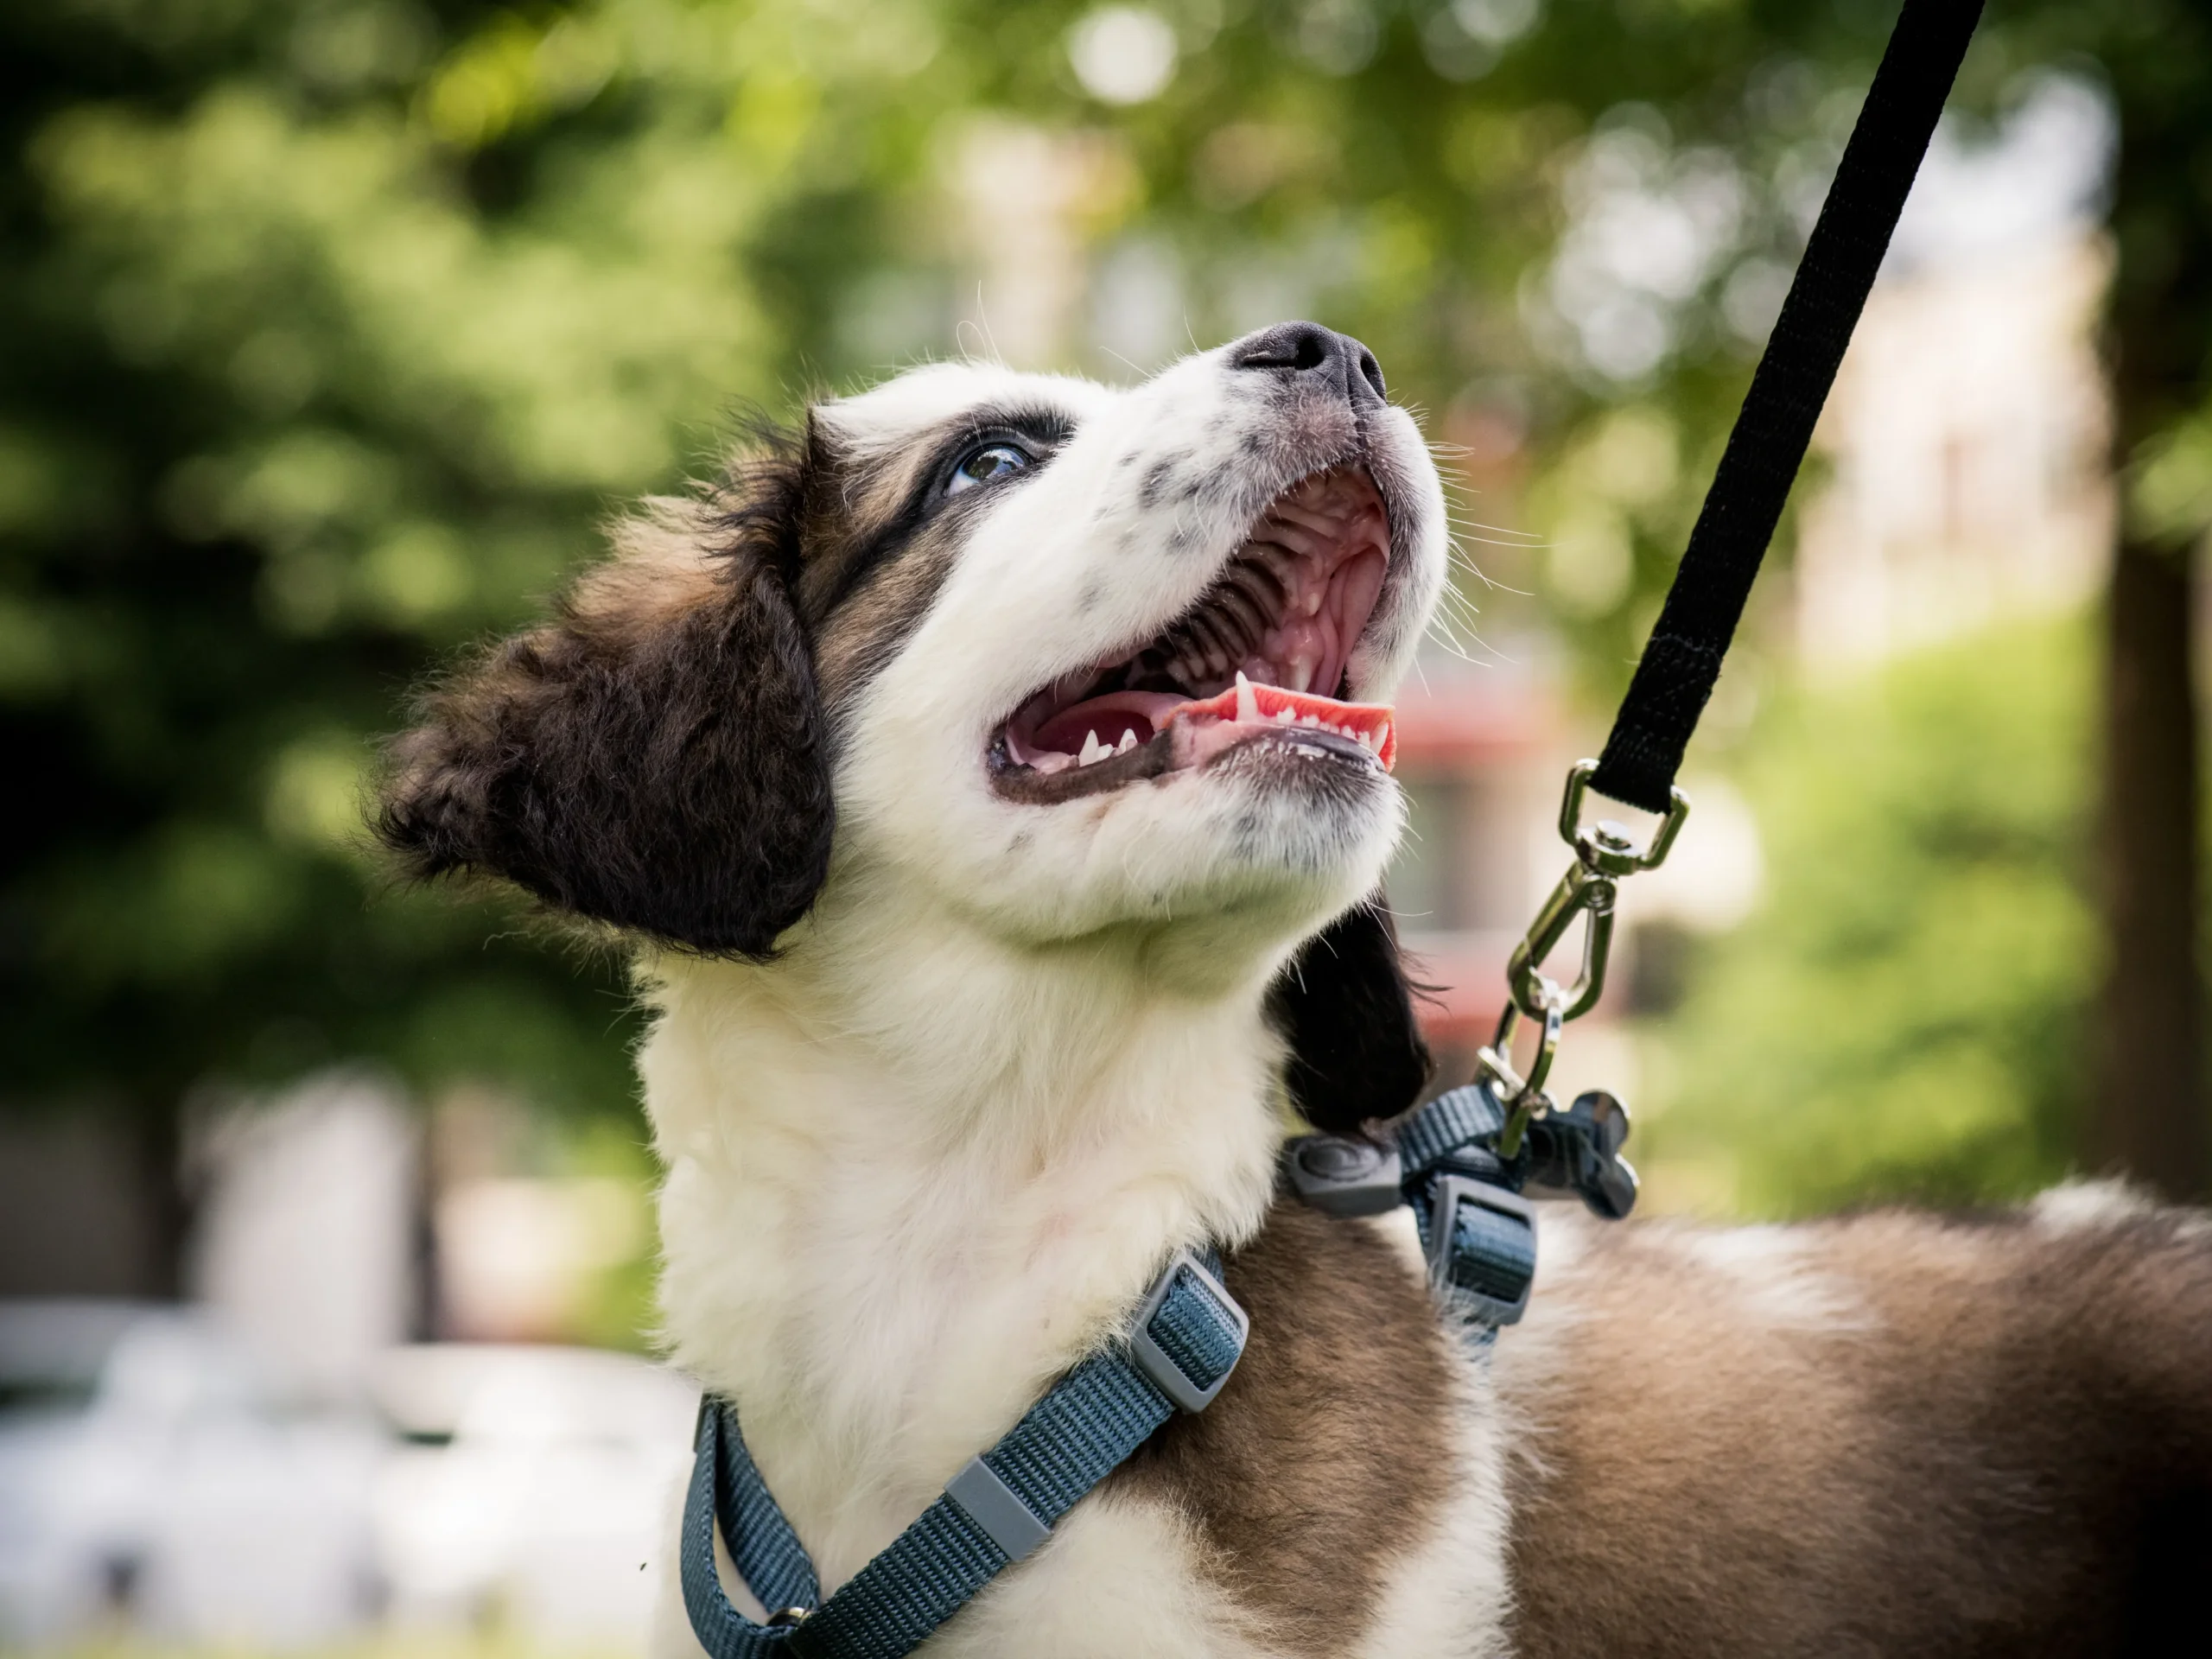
1343, 1174
997, 1509
1452, 1193
1152, 1360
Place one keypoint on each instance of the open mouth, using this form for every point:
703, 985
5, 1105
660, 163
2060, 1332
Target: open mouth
1261, 657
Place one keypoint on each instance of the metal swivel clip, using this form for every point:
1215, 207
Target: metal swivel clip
1604, 852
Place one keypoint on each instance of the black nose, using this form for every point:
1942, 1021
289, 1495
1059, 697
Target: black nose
1308, 348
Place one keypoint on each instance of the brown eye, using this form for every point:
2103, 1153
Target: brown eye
986, 464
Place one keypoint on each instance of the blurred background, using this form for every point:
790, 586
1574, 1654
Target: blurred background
329, 329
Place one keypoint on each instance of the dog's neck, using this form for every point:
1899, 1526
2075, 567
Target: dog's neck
915, 1172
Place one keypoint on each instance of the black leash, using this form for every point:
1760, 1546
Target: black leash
1682, 659
1533, 1142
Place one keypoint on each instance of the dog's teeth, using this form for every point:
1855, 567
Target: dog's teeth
1248, 706
1129, 741
1301, 674
1092, 750
1285, 716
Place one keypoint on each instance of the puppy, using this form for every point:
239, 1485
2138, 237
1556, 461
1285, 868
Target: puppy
991, 781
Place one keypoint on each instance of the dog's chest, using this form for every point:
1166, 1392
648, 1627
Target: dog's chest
883, 1310
1340, 1497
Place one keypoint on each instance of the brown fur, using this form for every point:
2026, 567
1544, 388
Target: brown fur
1982, 1449
1327, 1454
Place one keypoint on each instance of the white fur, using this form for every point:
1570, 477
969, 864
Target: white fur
1777, 1274
2089, 1206
930, 1157
1454, 1596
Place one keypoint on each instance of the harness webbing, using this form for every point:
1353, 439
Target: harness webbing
1682, 659
1000, 1507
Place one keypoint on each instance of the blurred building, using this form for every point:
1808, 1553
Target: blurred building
1967, 440
1966, 444
1479, 759
274, 1465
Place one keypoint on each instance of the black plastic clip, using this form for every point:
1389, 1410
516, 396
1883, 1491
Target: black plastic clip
1343, 1174
1482, 1244
1578, 1151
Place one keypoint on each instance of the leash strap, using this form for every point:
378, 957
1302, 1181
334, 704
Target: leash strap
1682, 659
1188, 1336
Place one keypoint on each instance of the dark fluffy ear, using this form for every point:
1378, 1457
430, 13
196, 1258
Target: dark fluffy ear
656, 757
1346, 1008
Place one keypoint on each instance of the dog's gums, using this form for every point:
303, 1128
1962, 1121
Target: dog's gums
1248, 662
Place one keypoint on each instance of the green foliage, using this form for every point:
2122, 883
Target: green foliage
1904, 1016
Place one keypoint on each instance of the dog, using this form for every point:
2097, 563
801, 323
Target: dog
989, 777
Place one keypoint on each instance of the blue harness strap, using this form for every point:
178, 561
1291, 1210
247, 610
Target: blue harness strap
1447, 1127
1186, 1339
1478, 1232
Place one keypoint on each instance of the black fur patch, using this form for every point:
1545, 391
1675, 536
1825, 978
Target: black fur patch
1346, 1007
656, 758
1156, 479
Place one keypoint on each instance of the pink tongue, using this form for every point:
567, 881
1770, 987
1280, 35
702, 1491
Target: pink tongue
1112, 717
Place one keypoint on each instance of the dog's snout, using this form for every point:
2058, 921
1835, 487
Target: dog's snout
1301, 347
1308, 348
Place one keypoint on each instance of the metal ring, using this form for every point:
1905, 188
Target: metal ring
1524, 1097
1616, 856
1539, 1068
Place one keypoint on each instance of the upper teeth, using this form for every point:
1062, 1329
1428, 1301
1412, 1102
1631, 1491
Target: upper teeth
1370, 740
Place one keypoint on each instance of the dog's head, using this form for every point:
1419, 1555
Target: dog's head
1076, 662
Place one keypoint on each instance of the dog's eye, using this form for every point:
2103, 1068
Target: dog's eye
985, 464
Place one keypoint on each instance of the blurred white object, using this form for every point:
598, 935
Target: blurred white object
306, 1239
535, 1486
148, 1471
1122, 55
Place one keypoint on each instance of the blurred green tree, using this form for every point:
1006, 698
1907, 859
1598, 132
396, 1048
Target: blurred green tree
1904, 1016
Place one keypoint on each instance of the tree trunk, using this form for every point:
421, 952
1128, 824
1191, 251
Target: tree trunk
2148, 1117
2148, 1113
